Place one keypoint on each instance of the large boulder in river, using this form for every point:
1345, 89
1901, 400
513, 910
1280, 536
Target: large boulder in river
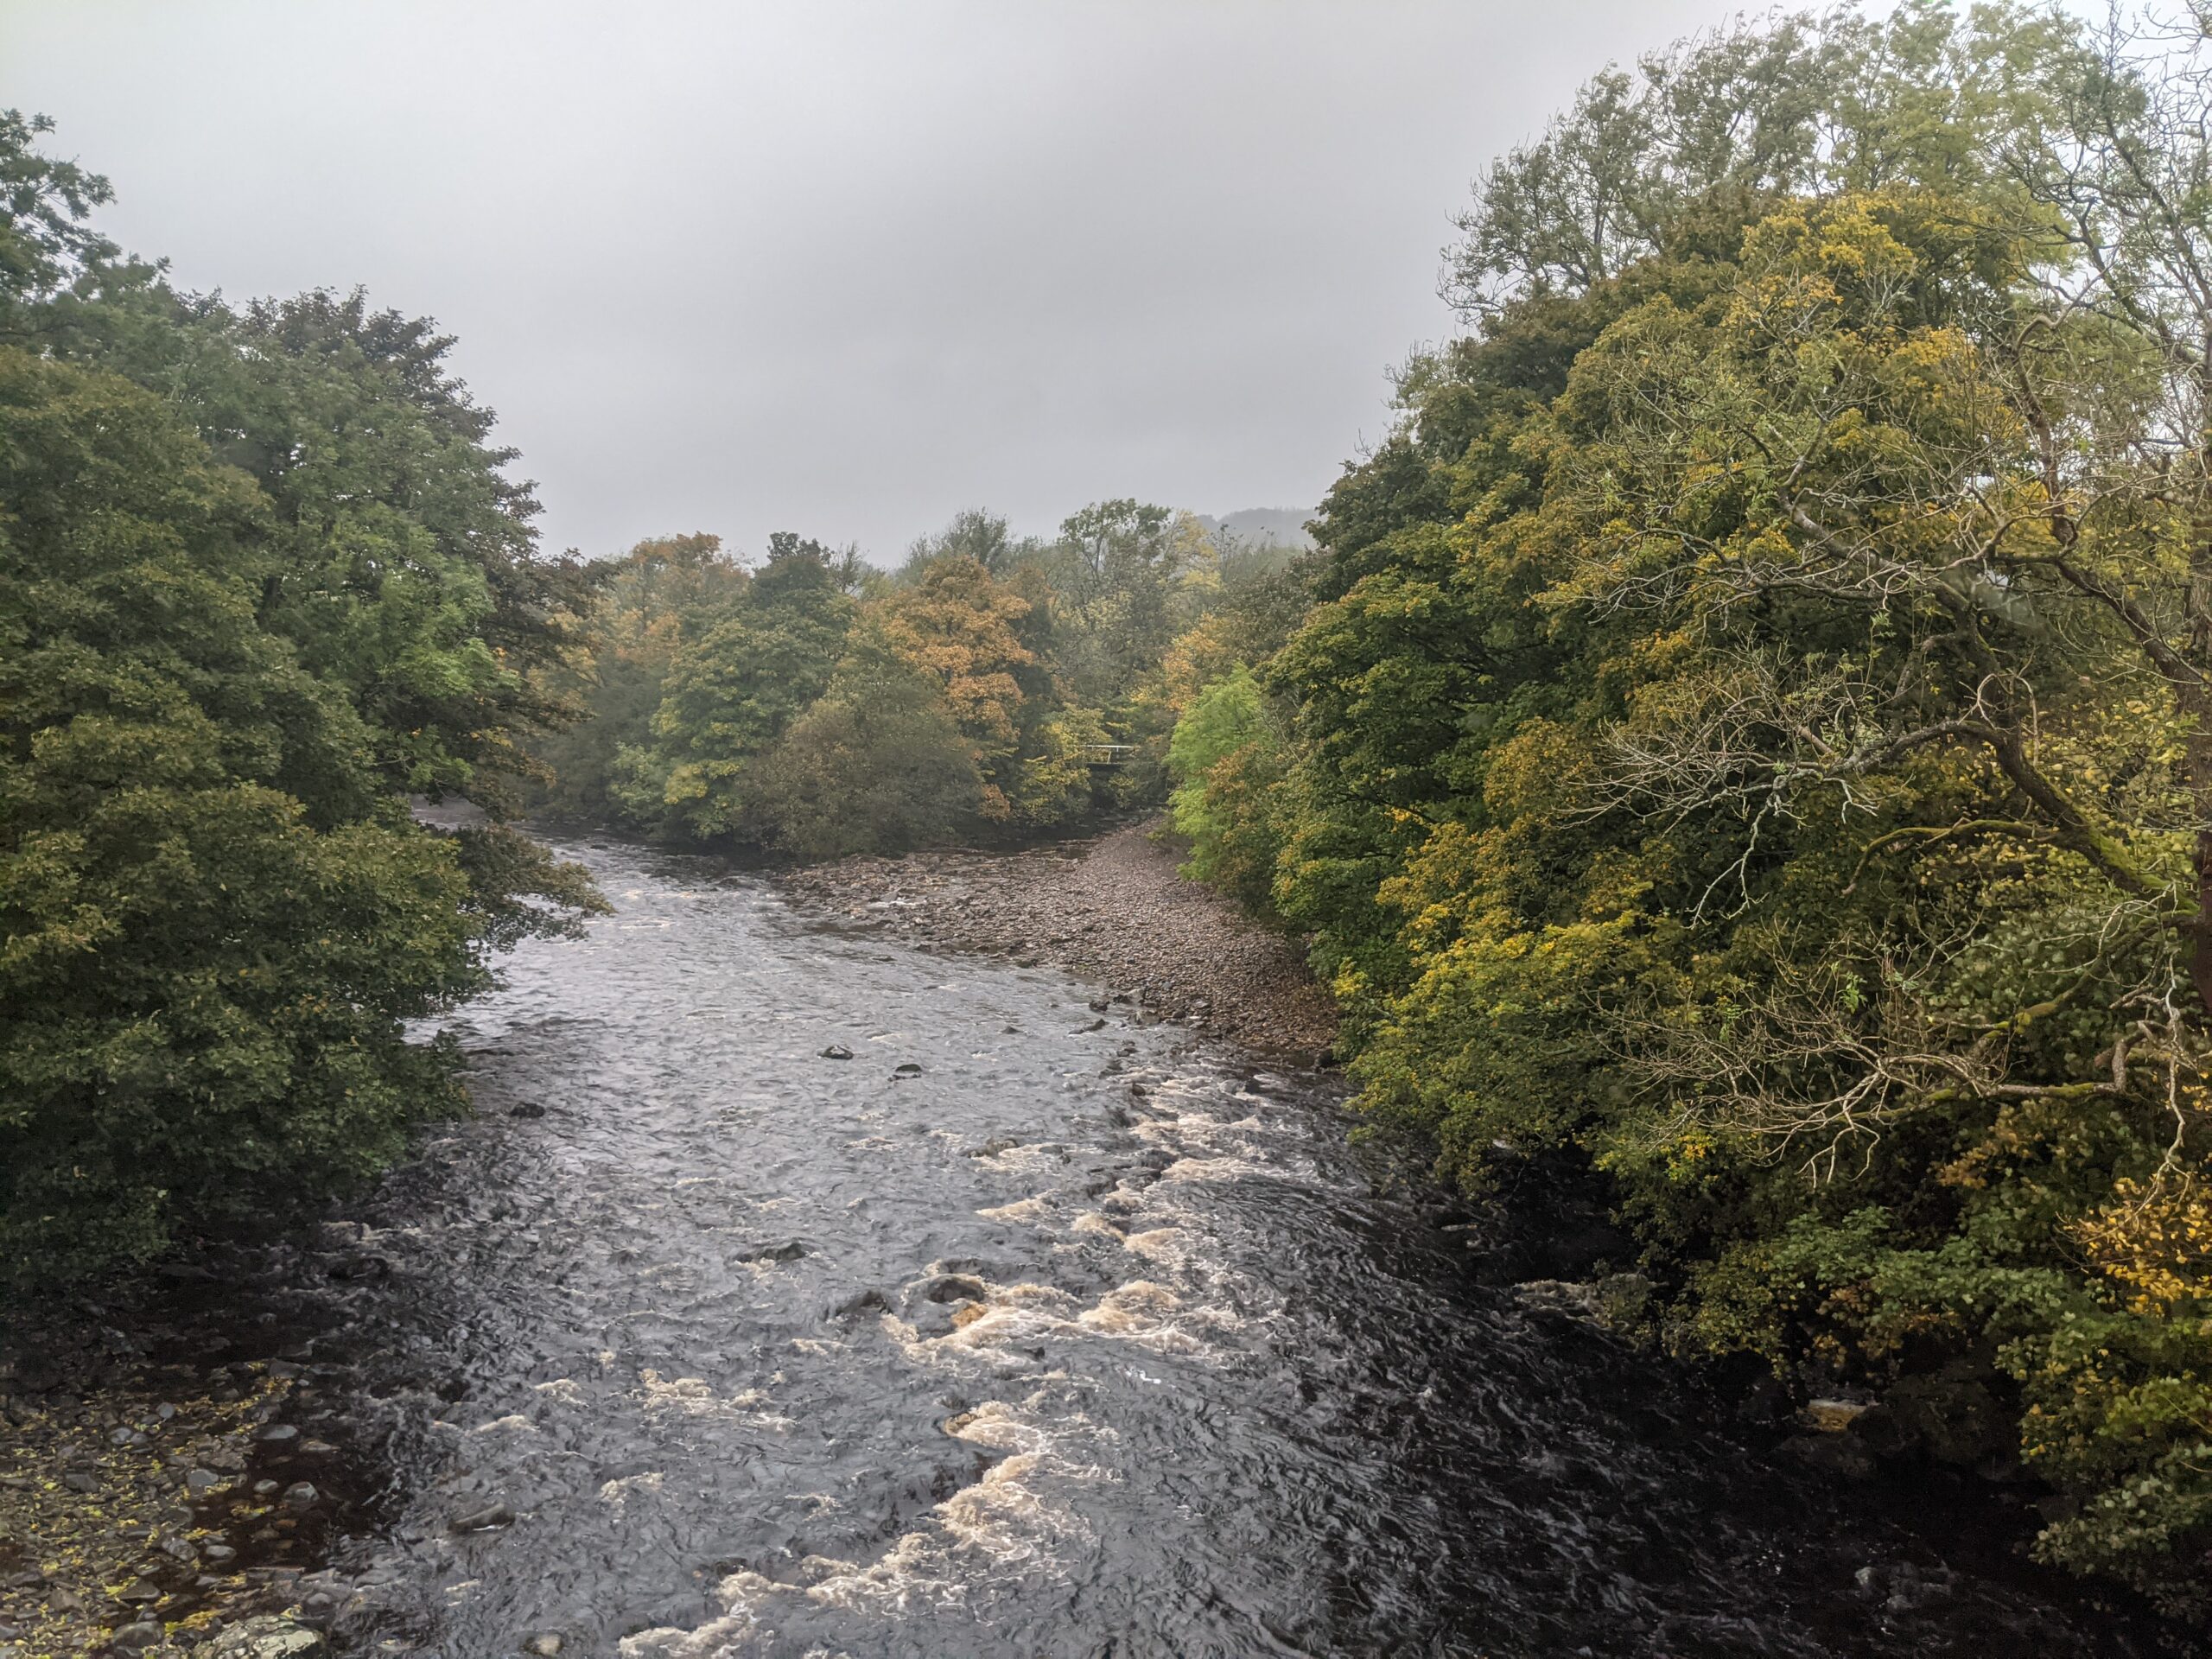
266, 1638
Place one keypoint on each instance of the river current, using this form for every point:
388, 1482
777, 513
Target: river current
1028, 1330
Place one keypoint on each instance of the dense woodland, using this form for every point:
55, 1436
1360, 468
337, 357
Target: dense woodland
808, 704
1745, 730
1751, 732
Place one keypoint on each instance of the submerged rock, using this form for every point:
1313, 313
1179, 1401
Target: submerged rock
484, 1520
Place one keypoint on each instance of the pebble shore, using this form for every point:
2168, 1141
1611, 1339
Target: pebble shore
1113, 907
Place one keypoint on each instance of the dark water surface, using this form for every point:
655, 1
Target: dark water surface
1075, 1342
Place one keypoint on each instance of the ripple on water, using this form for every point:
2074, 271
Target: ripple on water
1071, 1342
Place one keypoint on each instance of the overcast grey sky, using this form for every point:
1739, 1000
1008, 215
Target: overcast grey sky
841, 266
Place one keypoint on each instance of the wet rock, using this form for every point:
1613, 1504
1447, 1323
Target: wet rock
868, 1301
547, 1643
1619, 1303
790, 1250
957, 1287
1096, 1025
835, 1051
1904, 1587
528, 1109
993, 1147
909, 1070
266, 1638
484, 1520
1831, 1454
1832, 1416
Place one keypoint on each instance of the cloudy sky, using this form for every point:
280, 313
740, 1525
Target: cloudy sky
841, 266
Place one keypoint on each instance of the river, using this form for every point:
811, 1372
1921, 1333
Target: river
1031, 1328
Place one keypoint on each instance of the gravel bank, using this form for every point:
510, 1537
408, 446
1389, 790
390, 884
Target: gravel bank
1113, 907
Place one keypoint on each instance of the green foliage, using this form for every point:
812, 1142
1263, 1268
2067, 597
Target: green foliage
215, 923
258, 575
650, 606
1059, 786
732, 695
863, 773
1746, 731
46, 246
1227, 755
1063, 667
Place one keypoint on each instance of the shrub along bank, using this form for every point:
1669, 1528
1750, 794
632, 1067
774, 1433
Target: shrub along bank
1752, 730
261, 581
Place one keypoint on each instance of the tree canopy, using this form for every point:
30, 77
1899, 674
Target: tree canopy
261, 579
1750, 732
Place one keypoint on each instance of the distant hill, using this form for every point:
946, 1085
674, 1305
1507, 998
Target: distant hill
1285, 526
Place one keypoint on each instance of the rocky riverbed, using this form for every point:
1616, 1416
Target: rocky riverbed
150, 1497
1114, 909
798, 1288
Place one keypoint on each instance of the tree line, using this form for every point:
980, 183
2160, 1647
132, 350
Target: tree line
1744, 731
267, 589
808, 704
262, 580
1753, 732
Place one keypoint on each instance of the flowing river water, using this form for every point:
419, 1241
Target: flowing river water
1026, 1330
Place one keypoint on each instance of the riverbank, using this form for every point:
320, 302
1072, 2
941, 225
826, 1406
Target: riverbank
152, 1497
665, 1337
1113, 908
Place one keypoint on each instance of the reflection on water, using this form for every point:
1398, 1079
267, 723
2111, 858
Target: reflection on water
1071, 1342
